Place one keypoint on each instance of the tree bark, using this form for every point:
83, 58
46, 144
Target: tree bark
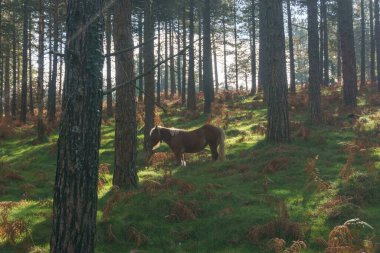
24, 82
125, 174
207, 59
158, 99
291, 51
191, 102
263, 58
149, 79
272, 31
348, 52
314, 63
1, 64
179, 88
108, 62
75, 197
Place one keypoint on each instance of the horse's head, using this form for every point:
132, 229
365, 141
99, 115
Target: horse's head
155, 136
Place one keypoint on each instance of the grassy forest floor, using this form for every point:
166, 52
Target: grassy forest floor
327, 175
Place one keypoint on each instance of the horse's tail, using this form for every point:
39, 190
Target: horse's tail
222, 138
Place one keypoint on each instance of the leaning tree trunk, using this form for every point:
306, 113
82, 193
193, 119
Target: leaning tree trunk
314, 63
24, 82
348, 52
108, 27
75, 198
40, 80
362, 48
125, 174
291, 51
52, 93
191, 102
372, 42
377, 39
149, 78
272, 31
207, 59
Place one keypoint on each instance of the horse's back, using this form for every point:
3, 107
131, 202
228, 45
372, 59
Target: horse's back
212, 133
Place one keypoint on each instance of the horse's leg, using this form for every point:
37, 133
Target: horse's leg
214, 151
178, 157
183, 160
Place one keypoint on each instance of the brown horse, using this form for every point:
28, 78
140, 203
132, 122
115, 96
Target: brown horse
182, 141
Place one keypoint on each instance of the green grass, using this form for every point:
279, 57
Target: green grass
228, 197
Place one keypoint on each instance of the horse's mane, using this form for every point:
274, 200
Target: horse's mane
172, 131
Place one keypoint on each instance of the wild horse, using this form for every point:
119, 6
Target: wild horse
181, 141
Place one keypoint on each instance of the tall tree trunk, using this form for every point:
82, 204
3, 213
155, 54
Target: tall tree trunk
291, 51
24, 86
326, 60
348, 52
272, 31
362, 48
339, 58
40, 80
200, 59
1, 63
184, 62
7, 95
159, 67
236, 49
253, 47
172, 72
372, 42
149, 79
215, 62
52, 95
166, 63
191, 102
263, 58
179, 88
60, 73
314, 63
14, 71
207, 59
320, 37
31, 99
141, 64
377, 39
108, 27
76, 184
125, 175
225, 53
